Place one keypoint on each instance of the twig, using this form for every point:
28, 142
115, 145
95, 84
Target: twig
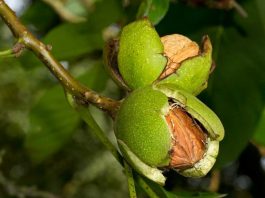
42, 51
131, 185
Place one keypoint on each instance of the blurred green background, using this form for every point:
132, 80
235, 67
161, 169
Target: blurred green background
46, 149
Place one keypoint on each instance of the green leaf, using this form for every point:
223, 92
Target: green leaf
76, 7
43, 11
155, 10
162, 193
70, 41
73, 40
259, 135
236, 87
95, 78
53, 121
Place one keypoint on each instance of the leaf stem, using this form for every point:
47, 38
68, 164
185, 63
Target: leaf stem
95, 128
42, 51
130, 179
6, 53
146, 187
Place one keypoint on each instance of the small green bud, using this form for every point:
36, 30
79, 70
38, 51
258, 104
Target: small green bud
168, 128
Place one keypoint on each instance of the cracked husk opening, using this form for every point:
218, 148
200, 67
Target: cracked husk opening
177, 48
188, 138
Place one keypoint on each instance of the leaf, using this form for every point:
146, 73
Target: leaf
95, 78
43, 11
155, 10
53, 121
259, 135
76, 7
162, 193
236, 87
70, 41
73, 40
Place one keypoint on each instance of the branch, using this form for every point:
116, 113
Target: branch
42, 51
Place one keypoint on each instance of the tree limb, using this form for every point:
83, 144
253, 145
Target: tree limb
42, 51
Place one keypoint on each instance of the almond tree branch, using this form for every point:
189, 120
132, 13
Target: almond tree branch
42, 51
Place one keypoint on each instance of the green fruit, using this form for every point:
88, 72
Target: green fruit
168, 128
140, 58
140, 54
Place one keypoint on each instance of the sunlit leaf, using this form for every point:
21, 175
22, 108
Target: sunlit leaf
73, 40
155, 10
